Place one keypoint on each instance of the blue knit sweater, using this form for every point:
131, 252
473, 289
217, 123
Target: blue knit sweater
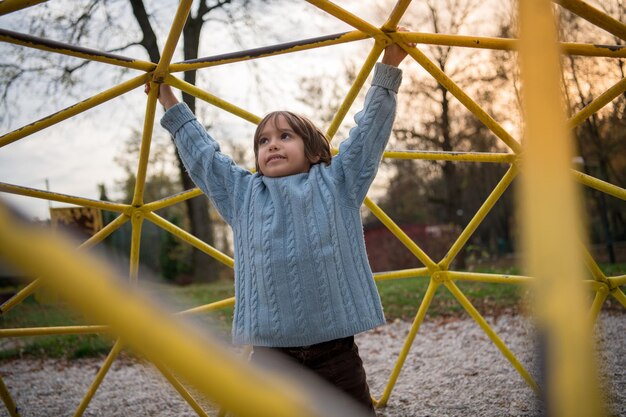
301, 270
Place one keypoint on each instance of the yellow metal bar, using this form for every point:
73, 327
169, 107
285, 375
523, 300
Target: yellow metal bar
32, 287
602, 100
152, 333
617, 281
63, 198
405, 273
479, 216
172, 39
458, 92
357, 85
453, 156
493, 278
598, 301
395, 16
191, 239
73, 110
595, 16
48, 45
218, 305
471, 310
144, 150
136, 220
619, 295
274, 50
181, 389
347, 17
56, 330
417, 322
209, 98
600, 185
399, 233
9, 6
171, 200
507, 44
115, 351
593, 267
8, 401
551, 219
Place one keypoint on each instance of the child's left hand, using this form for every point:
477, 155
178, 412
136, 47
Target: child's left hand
394, 54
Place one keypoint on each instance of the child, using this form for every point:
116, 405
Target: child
303, 285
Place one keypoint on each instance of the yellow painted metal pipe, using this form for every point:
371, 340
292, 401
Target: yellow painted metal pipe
399, 233
274, 50
595, 183
598, 301
154, 334
480, 215
10, 6
171, 200
395, 16
191, 239
452, 156
593, 267
492, 278
211, 99
93, 240
619, 295
48, 45
73, 110
115, 351
457, 92
172, 39
218, 305
471, 310
402, 274
53, 330
136, 220
8, 400
352, 94
617, 281
179, 387
595, 16
507, 44
408, 342
63, 198
551, 219
347, 17
599, 102
144, 150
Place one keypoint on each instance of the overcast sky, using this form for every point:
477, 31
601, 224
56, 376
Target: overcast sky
77, 154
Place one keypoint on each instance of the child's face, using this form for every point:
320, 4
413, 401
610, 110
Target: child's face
281, 150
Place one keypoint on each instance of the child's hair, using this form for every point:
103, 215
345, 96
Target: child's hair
315, 142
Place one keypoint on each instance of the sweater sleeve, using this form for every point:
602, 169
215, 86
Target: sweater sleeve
359, 157
213, 172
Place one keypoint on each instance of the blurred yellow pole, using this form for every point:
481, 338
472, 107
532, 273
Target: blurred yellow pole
551, 221
8, 401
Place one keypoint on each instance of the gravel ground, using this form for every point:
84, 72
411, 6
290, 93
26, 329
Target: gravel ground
453, 370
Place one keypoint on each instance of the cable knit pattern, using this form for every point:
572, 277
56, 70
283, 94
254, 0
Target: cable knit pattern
301, 271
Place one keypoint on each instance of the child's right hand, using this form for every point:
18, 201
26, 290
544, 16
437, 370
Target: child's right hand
167, 98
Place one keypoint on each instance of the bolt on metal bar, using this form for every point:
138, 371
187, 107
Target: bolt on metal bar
48, 45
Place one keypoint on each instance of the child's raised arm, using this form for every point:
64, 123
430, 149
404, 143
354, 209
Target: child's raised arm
393, 53
167, 98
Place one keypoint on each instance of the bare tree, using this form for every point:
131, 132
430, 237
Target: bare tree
105, 23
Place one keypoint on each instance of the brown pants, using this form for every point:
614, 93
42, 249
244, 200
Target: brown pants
336, 361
